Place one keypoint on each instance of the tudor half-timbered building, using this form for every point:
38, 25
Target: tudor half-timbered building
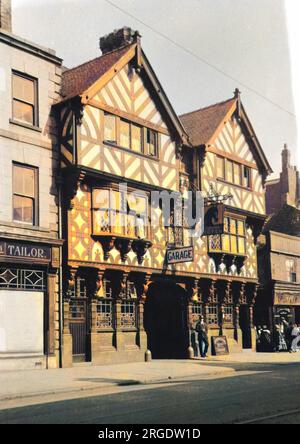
120, 142
229, 161
117, 127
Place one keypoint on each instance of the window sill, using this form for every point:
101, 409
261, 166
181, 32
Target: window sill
234, 184
115, 145
25, 125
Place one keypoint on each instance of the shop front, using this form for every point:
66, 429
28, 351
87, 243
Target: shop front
29, 328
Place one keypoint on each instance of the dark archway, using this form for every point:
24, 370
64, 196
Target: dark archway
165, 320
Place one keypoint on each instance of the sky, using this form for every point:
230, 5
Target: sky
201, 50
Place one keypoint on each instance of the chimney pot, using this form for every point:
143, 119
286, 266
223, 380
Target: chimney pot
5, 15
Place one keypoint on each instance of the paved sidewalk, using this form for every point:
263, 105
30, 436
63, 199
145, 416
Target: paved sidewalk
251, 357
30, 383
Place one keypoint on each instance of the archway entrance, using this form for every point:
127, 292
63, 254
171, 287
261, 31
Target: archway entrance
165, 321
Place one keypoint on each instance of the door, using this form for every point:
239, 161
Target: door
245, 326
79, 328
166, 321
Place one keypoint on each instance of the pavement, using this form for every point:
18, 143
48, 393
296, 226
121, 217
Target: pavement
24, 384
30, 383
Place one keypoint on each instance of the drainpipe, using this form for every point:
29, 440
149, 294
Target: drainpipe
60, 271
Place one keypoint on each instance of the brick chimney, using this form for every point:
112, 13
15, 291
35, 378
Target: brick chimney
5, 15
117, 39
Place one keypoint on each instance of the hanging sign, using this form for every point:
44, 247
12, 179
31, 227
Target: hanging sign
180, 255
213, 219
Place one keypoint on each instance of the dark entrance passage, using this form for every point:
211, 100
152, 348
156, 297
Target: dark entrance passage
165, 320
245, 326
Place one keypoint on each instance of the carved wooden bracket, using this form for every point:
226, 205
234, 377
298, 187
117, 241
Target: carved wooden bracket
72, 183
123, 245
69, 283
140, 247
107, 242
122, 293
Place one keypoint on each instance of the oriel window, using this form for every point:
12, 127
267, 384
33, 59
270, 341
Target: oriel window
24, 99
25, 194
233, 241
110, 129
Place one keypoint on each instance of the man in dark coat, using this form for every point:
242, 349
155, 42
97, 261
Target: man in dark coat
202, 330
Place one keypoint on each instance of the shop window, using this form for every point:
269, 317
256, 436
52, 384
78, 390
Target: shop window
128, 315
120, 214
197, 311
228, 314
25, 194
233, 241
212, 315
110, 128
22, 279
24, 99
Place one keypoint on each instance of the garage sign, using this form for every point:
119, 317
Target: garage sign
180, 255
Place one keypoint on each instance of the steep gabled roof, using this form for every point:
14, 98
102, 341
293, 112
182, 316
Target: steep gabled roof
202, 124
85, 80
77, 80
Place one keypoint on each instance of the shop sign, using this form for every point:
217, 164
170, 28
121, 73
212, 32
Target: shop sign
287, 299
180, 255
220, 345
24, 252
213, 219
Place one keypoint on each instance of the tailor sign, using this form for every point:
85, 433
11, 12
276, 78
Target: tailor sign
180, 255
13, 251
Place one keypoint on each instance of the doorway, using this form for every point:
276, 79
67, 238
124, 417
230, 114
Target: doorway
245, 326
165, 320
78, 328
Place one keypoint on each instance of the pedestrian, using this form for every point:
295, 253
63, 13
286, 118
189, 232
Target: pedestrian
288, 335
202, 330
295, 338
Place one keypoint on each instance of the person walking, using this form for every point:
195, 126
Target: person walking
202, 330
288, 334
295, 338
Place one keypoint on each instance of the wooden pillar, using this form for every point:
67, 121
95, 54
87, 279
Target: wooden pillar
67, 340
121, 294
142, 336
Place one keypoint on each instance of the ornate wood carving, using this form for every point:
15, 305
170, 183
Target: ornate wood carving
73, 180
123, 245
140, 247
122, 293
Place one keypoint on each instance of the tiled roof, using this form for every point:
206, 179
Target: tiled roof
203, 123
286, 221
77, 80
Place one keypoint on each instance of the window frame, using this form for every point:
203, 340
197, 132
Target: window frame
225, 172
230, 235
35, 197
291, 269
121, 211
35, 104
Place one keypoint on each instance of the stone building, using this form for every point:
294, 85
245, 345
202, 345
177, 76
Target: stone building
279, 250
30, 78
123, 291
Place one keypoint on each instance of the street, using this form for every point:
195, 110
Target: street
256, 393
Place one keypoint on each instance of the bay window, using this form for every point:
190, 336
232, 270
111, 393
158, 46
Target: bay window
233, 241
119, 213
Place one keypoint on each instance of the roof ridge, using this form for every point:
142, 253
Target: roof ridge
97, 58
207, 107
